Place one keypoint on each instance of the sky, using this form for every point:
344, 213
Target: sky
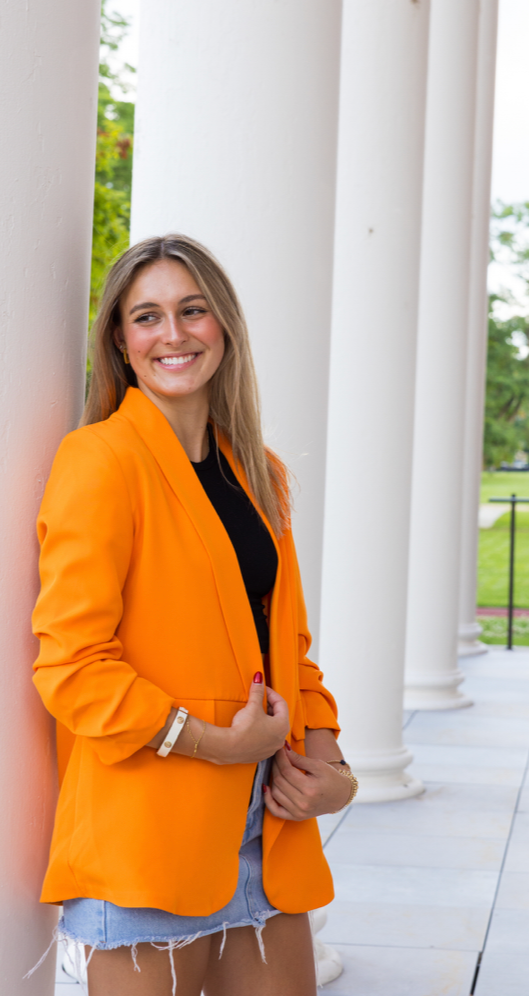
510, 172
128, 51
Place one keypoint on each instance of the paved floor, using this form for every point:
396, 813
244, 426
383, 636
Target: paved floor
432, 894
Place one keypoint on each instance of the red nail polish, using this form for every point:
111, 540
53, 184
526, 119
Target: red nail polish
258, 678
263, 788
287, 745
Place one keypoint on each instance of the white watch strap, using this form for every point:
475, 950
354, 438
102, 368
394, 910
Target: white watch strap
174, 732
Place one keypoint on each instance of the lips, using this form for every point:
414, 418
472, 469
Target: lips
169, 362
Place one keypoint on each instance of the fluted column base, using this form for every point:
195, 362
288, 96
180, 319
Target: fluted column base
434, 691
382, 776
328, 961
469, 645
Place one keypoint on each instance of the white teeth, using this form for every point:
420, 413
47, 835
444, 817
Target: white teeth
176, 361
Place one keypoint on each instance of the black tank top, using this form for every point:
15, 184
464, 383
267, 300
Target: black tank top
250, 538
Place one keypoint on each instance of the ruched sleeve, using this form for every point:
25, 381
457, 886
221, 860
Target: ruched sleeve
318, 705
85, 529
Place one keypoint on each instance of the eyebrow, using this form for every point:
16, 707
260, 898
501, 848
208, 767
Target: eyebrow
152, 304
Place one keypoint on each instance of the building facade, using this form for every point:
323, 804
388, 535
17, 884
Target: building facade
336, 158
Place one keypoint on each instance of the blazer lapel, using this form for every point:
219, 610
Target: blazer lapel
159, 437
282, 628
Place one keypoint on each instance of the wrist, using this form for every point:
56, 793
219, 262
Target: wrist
215, 746
159, 737
321, 744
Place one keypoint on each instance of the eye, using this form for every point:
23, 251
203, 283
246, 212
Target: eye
193, 310
143, 319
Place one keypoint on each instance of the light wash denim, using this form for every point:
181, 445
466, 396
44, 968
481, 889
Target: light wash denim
102, 925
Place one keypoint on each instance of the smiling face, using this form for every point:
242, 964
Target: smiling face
174, 342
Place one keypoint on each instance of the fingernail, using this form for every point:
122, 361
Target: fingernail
287, 745
263, 788
258, 678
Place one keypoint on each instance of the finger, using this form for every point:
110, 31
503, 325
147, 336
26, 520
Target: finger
275, 808
295, 793
274, 696
294, 774
309, 764
279, 706
295, 809
257, 689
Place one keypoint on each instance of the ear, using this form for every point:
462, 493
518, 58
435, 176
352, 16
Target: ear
117, 336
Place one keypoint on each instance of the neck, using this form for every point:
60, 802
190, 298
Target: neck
188, 418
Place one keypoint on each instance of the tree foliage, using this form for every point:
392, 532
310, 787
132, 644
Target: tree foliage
507, 396
113, 167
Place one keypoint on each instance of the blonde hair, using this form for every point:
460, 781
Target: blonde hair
234, 396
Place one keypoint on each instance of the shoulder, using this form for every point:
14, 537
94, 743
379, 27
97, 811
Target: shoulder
88, 465
101, 443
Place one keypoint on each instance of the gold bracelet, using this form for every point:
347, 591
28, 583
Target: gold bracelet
338, 760
354, 789
196, 742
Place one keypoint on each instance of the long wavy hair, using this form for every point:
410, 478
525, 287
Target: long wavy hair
233, 392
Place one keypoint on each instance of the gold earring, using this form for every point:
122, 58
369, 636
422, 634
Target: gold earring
125, 354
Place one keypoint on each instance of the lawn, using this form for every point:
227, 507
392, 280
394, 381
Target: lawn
503, 485
494, 558
493, 563
495, 630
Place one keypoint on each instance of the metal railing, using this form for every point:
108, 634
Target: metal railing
514, 501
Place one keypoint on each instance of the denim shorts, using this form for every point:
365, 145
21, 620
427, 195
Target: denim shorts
102, 925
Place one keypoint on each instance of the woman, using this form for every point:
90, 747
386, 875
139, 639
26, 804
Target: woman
196, 742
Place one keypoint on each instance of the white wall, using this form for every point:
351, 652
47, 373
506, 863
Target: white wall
235, 145
48, 87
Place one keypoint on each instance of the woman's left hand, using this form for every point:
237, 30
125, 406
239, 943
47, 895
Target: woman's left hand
303, 787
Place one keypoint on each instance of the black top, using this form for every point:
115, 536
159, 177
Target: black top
251, 540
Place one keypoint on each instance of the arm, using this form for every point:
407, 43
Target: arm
86, 531
303, 787
318, 707
253, 735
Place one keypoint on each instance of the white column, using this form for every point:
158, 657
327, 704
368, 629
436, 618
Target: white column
235, 145
469, 628
432, 676
377, 248
48, 82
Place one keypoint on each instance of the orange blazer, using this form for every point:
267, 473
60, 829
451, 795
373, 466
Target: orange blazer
142, 608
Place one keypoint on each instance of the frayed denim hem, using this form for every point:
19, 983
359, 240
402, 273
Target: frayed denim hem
160, 942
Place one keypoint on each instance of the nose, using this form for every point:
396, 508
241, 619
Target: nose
173, 332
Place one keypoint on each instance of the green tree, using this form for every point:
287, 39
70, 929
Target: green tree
507, 395
113, 167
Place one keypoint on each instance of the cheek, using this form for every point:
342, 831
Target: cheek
138, 343
216, 341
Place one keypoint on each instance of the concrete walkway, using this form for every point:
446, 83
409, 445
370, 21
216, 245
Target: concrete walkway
490, 513
432, 894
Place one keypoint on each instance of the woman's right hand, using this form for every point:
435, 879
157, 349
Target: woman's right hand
254, 734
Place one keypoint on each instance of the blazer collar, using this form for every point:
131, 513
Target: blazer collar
162, 441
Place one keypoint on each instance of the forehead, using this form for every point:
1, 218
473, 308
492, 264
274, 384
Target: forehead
166, 279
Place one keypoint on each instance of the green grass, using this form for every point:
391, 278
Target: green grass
502, 485
493, 562
495, 630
